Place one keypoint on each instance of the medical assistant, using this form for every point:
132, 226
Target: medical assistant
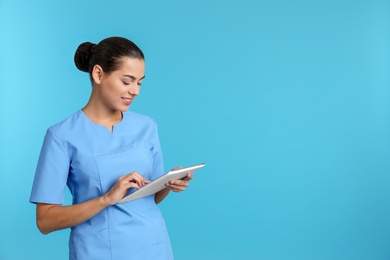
89, 159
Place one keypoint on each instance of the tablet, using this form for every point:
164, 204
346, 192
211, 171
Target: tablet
159, 183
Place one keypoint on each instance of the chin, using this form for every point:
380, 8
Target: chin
124, 109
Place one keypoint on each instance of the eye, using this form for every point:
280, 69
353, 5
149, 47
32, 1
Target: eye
139, 83
126, 83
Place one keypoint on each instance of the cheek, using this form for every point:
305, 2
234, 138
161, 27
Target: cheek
111, 91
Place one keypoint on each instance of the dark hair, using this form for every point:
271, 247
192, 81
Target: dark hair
106, 53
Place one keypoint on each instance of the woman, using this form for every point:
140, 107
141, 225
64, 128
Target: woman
100, 152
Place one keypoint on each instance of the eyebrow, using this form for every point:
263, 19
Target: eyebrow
132, 77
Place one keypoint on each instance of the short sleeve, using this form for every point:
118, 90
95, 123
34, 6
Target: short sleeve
51, 173
158, 164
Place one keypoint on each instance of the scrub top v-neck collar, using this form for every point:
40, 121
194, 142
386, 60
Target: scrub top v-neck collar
115, 127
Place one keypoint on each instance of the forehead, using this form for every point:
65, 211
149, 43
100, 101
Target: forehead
131, 66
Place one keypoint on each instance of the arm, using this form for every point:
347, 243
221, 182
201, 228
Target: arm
52, 217
174, 185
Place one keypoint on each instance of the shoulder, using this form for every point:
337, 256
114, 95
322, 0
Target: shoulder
66, 126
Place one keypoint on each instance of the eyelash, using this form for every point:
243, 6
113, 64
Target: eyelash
125, 83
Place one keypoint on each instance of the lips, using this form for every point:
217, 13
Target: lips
127, 101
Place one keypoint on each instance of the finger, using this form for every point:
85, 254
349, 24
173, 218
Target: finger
177, 185
133, 185
142, 180
181, 182
175, 188
127, 183
136, 177
189, 177
131, 178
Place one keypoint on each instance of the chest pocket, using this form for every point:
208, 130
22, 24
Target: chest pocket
113, 165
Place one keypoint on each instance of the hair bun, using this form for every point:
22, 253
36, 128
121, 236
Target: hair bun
81, 57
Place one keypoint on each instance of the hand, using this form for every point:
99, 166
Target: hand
124, 183
180, 185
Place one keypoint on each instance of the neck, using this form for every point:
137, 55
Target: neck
102, 115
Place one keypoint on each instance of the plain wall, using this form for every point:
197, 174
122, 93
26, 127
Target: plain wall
287, 102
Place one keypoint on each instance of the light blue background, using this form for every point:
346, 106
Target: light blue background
286, 101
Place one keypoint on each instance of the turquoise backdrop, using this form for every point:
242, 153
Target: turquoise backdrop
287, 102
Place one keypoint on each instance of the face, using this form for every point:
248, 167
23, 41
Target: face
117, 90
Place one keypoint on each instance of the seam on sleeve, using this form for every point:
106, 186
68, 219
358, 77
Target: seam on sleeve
63, 146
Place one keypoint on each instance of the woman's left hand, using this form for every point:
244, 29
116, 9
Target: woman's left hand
180, 185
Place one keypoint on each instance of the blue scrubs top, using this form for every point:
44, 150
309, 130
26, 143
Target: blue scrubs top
89, 159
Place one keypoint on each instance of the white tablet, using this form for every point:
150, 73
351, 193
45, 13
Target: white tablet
159, 183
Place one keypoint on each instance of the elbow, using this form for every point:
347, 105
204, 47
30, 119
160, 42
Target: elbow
43, 229
44, 218
44, 232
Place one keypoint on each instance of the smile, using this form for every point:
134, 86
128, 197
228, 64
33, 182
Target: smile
127, 101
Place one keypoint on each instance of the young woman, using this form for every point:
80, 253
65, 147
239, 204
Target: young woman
100, 152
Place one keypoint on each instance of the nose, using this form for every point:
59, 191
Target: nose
134, 89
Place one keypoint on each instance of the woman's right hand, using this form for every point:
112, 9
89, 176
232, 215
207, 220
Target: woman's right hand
124, 183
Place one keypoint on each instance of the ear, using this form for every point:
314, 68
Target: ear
97, 74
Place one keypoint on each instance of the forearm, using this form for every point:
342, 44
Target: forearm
160, 196
52, 217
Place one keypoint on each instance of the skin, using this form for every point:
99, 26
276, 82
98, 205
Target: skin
111, 95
